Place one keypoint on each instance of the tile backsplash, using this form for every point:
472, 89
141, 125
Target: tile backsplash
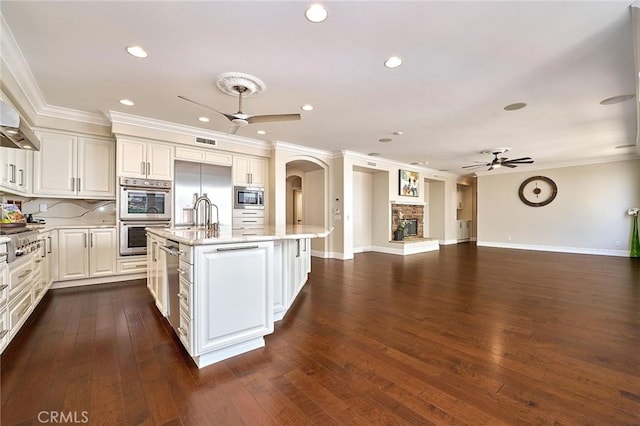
68, 211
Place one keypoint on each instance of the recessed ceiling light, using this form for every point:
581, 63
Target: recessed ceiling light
374, 154
625, 146
316, 13
126, 102
203, 119
307, 107
393, 62
515, 107
261, 132
616, 99
398, 133
384, 140
137, 51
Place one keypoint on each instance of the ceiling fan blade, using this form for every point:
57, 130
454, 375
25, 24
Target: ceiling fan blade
229, 116
517, 160
272, 118
233, 130
475, 166
511, 166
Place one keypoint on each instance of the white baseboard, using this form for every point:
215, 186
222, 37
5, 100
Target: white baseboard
447, 242
99, 280
557, 249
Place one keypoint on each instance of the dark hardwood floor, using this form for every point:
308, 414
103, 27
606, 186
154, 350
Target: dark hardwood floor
462, 336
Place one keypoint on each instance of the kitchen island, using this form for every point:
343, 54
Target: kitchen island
223, 293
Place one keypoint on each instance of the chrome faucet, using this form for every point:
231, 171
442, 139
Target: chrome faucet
215, 227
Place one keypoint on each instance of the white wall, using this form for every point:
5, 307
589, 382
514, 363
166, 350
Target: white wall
587, 216
314, 210
362, 211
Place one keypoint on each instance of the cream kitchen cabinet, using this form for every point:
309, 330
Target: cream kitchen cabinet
203, 156
464, 230
156, 264
146, 160
16, 170
72, 166
250, 171
4, 310
48, 261
86, 253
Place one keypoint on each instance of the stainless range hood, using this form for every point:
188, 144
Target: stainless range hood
14, 133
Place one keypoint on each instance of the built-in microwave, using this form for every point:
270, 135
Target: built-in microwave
145, 199
248, 197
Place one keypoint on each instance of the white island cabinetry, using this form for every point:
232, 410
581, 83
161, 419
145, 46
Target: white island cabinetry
233, 299
232, 288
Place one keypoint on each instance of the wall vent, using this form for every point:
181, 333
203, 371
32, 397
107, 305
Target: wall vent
205, 141
371, 163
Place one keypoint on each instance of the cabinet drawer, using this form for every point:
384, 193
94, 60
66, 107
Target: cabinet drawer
4, 328
18, 311
132, 266
20, 275
248, 213
186, 271
184, 332
4, 292
184, 295
248, 221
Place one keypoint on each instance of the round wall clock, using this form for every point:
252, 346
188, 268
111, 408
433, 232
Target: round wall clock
538, 191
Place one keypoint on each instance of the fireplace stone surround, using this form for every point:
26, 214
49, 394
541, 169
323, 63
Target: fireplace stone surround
410, 212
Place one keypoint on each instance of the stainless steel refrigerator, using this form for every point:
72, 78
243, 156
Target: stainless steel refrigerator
192, 180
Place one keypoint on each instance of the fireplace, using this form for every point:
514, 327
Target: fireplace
412, 216
410, 227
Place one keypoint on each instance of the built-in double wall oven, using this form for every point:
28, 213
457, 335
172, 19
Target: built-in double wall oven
143, 203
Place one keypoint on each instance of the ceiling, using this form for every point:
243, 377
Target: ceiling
463, 62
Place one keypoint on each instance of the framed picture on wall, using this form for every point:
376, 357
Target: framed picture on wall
408, 183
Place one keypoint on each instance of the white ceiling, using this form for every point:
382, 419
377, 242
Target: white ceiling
463, 62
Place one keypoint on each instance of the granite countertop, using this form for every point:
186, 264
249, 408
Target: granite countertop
200, 236
46, 228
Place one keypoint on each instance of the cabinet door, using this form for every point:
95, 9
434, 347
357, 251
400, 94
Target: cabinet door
241, 170
102, 251
132, 158
233, 294
160, 162
96, 168
16, 170
73, 254
54, 166
258, 172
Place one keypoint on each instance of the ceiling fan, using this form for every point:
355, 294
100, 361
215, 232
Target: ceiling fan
239, 84
500, 162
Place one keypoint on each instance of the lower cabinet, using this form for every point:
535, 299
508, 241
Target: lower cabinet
293, 260
4, 310
156, 275
86, 253
233, 297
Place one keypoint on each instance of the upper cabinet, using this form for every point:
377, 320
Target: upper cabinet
202, 156
16, 170
250, 171
146, 160
73, 166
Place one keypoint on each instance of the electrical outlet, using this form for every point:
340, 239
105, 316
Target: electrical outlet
43, 207
509, 238
617, 243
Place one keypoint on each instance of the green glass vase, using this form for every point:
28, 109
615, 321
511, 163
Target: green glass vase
635, 239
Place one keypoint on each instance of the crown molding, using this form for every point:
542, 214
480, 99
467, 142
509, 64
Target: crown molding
17, 65
153, 124
302, 149
431, 173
